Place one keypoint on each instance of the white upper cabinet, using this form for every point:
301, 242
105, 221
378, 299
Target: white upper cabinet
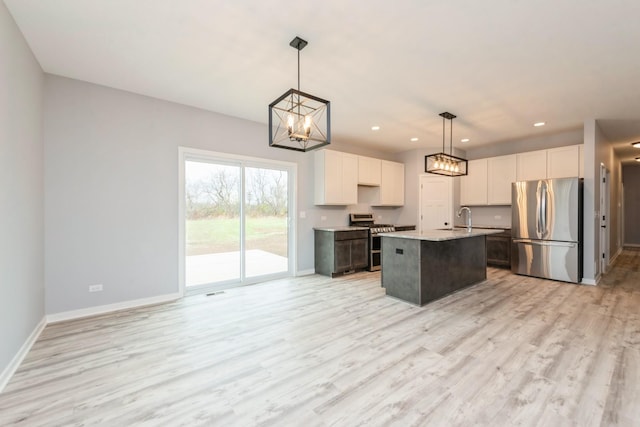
563, 162
336, 178
531, 165
473, 187
489, 180
501, 173
391, 191
369, 171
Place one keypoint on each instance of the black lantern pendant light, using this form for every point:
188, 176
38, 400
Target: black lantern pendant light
443, 163
297, 120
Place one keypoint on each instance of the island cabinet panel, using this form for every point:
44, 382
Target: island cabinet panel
420, 271
499, 249
340, 252
401, 266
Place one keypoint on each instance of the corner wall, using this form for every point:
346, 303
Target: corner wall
111, 200
598, 150
21, 195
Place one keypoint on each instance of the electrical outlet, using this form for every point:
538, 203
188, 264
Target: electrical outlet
95, 288
303, 214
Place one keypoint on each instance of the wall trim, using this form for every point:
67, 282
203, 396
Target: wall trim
242, 161
591, 282
20, 355
109, 308
613, 258
307, 272
631, 245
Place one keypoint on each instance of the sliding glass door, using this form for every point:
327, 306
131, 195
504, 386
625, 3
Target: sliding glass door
266, 221
236, 221
213, 249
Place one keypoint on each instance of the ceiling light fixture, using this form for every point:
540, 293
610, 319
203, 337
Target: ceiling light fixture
414, 139
297, 120
637, 159
636, 144
375, 127
464, 140
539, 124
443, 163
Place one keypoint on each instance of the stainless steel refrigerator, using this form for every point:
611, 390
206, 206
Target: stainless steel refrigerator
546, 228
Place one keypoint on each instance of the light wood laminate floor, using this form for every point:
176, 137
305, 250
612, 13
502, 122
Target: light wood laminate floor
313, 351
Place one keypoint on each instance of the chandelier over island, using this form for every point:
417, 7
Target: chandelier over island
297, 120
443, 163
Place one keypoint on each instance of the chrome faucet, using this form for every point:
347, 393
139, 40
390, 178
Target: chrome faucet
466, 208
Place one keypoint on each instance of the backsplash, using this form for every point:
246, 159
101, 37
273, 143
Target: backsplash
499, 216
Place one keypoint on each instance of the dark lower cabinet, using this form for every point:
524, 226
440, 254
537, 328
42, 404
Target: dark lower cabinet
341, 252
499, 249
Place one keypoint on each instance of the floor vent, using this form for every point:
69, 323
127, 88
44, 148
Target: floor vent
215, 293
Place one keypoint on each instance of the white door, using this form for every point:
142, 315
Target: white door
604, 218
436, 202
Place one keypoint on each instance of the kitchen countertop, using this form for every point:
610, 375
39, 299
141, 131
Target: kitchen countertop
341, 228
489, 227
441, 235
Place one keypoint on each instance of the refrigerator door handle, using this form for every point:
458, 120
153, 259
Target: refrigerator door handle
545, 243
539, 211
545, 191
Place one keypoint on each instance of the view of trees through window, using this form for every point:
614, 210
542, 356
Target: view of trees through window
213, 193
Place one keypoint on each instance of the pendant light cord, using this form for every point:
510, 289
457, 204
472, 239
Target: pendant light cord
451, 138
443, 135
298, 70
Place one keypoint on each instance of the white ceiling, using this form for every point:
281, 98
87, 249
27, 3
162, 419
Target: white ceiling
500, 65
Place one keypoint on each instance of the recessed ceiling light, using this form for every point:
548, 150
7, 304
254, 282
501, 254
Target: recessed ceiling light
636, 144
464, 140
375, 127
637, 159
539, 124
414, 139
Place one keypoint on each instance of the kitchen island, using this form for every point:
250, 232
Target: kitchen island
419, 267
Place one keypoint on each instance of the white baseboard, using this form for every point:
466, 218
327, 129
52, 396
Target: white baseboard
613, 258
103, 309
19, 357
305, 272
591, 282
631, 245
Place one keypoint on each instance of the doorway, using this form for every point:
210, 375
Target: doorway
436, 202
236, 220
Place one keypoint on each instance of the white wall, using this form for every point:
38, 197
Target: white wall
542, 142
591, 194
111, 199
21, 191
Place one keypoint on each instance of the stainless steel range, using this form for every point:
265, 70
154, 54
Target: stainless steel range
366, 220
